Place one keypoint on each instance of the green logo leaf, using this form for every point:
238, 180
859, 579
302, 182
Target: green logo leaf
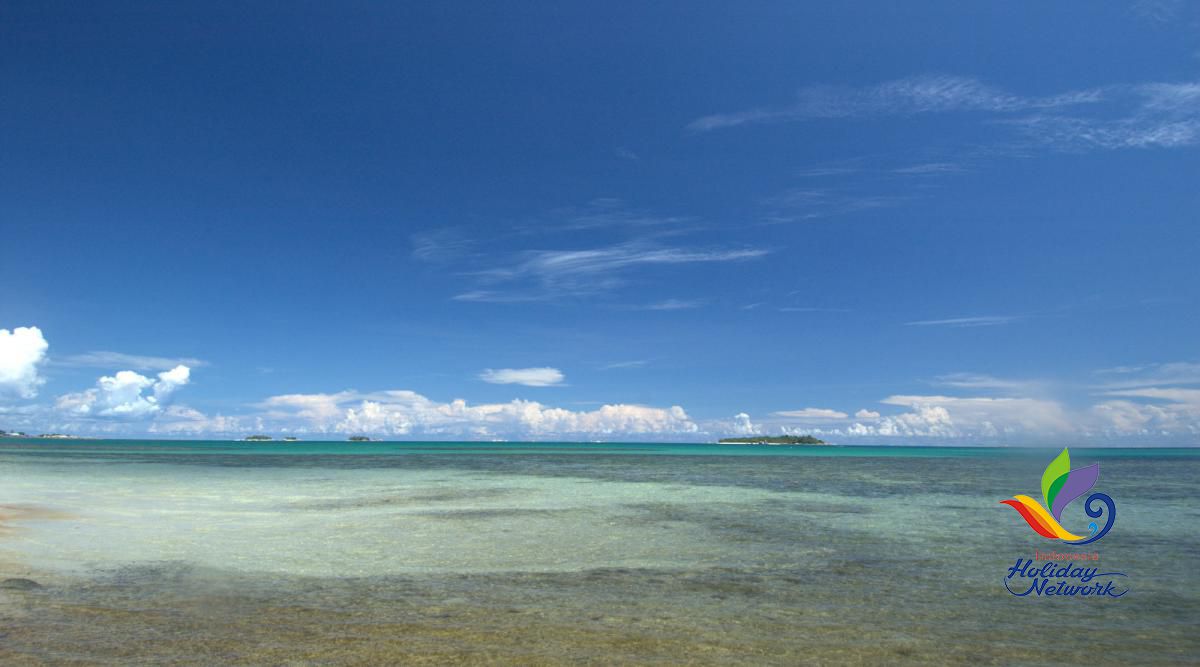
1055, 476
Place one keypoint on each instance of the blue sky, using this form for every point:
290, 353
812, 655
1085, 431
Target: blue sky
944, 222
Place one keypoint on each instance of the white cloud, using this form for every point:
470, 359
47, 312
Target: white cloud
530, 377
673, 304
965, 417
930, 168
1175, 394
169, 381
1078, 134
811, 309
924, 421
812, 414
1150, 375
401, 412
609, 213
496, 296
743, 426
980, 381
808, 204
122, 395
1150, 400
22, 350
865, 414
1146, 115
1152, 115
547, 274
1125, 418
981, 321
636, 363
183, 420
623, 152
932, 93
137, 362
602, 260
441, 245
1175, 410
1158, 11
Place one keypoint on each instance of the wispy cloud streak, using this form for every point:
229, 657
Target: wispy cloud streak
547, 274
1154, 115
980, 321
932, 93
137, 362
1143, 115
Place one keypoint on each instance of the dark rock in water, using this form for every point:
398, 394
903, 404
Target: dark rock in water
19, 585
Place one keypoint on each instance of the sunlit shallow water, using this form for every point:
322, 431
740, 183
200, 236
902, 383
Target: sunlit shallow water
326, 553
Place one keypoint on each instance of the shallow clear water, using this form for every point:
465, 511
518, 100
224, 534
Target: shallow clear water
523, 553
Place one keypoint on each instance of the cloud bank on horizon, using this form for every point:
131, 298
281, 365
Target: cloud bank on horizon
1160, 402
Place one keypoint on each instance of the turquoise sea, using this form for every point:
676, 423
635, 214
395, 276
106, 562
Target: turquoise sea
203, 553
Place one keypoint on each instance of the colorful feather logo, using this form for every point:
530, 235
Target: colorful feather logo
1061, 486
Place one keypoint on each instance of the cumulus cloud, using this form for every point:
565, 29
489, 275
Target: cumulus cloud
402, 412
1002, 414
1157, 411
1151, 400
742, 425
530, 377
183, 420
124, 395
1128, 418
963, 417
22, 351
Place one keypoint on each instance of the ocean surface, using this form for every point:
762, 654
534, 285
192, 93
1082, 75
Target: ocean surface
203, 553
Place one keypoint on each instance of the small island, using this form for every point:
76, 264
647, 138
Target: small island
49, 436
773, 440
258, 438
359, 438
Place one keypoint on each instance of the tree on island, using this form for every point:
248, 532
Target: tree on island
359, 438
773, 440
